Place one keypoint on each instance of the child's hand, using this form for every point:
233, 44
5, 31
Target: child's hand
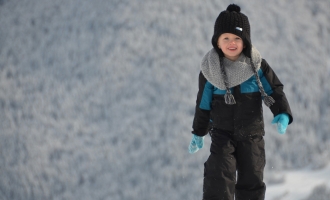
196, 143
282, 121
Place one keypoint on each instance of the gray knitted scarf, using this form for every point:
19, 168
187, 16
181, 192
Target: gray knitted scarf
225, 74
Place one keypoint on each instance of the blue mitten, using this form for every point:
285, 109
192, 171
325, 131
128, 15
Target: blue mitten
282, 121
196, 143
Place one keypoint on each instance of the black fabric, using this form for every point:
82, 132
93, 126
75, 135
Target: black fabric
244, 119
201, 122
281, 104
229, 155
230, 21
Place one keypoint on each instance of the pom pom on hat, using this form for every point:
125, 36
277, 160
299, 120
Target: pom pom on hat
233, 7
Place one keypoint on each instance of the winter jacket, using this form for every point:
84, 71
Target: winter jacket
245, 118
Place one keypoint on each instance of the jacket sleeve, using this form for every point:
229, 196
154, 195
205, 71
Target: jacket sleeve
203, 107
274, 88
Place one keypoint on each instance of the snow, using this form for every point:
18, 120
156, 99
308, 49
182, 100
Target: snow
298, 184
97, 97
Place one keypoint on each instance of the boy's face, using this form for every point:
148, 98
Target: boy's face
231, 45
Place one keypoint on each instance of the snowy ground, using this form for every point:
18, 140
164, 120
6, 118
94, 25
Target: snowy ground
298, 185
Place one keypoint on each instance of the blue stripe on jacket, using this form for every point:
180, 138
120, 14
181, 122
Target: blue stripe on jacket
248, 86
206, 100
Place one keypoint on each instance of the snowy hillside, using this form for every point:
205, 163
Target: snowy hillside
97, 97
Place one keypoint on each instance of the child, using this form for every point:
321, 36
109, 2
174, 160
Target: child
233, 82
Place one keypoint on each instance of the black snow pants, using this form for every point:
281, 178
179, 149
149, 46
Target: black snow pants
229, 156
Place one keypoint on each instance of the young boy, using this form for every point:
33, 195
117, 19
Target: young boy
233, 82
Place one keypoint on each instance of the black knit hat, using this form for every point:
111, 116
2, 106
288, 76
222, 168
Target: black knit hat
235, 22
